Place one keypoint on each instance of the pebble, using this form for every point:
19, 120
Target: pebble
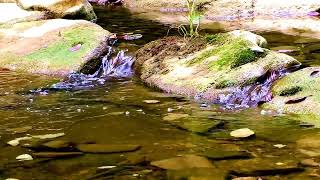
279, 145
24, 157
242, 133
151, 101
106, 167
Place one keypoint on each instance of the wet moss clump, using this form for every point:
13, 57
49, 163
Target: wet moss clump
58, 53
230, 54
290, 91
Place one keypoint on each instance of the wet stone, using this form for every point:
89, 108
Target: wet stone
198, 173
20, 130
183, 162
151, 101
309, 146
264, 167
224, 155
107, 148
57, 154
309, 163
59, 145
242, 133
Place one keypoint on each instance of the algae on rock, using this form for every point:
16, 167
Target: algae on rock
208, 66
298, 93
49, 43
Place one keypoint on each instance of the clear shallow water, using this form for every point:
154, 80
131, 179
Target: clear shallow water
115, 113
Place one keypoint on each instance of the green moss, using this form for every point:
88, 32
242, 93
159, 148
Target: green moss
290, 91
230, 55
224, 84
58, 53
216, 38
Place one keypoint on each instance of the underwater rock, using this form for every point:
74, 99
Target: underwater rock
183, 162
198, 173
107, 148
242, 133
298, 93
221, 68
35, 138
57, 154
264, 167
50, 43
309, 146
24, 157
61, 8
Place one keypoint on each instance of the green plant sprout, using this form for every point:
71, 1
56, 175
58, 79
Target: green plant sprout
193, 18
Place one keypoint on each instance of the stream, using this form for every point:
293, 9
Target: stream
116, 112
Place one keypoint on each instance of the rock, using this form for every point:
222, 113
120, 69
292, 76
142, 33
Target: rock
309, 145
242, 133
183, 162
301, 87
61, 8
205, 69
36, 138
24, 157
292, 50
224, 155
197, 174
19, 14
16, 141
175, 116
309, 163
279, 146
48, 46
151, 101
57, 154
20, 129
264, 167
59, 145
107, 148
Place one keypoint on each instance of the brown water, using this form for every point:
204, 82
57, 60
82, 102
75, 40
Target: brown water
116, 114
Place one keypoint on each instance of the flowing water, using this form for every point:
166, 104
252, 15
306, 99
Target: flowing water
115, 112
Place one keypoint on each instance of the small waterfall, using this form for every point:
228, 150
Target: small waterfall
113, 66
252, 95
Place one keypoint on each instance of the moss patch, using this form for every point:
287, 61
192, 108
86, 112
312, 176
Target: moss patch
58, 53
230, 54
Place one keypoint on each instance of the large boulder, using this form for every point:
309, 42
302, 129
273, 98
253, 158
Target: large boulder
61, 8
298, 93
54, 47
11, 13
208, 67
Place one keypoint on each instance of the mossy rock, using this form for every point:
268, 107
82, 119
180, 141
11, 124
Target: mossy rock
45, 46
80, 9
208, 66
298, 93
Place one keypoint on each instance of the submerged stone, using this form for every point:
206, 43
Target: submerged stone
224, 155
107, 148
264, 167
198, 173
57, 154
48, 47
242, 133
183, 162
24, 157
211, 68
